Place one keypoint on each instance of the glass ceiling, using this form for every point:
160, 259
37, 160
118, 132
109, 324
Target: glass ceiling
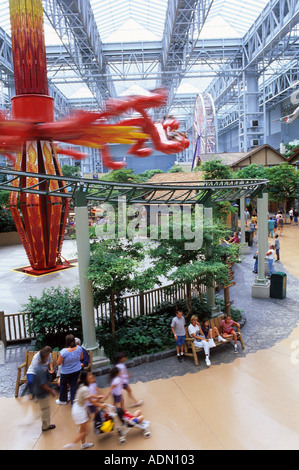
143, 20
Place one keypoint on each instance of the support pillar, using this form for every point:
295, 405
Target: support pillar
86, 295
261, 285
215, 310
244, 248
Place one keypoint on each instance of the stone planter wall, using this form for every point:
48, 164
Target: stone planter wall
9, 238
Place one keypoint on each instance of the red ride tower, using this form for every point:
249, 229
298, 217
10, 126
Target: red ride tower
40, 219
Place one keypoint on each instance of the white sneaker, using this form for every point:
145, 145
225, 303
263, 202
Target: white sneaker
58, 402
208, 362
212, 343
138, 403
86, 445
71, 445
221, 339
235, 348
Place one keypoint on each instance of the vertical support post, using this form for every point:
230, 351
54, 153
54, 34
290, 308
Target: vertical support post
208, 217
244, 248
261, 285
86, 295
2, 329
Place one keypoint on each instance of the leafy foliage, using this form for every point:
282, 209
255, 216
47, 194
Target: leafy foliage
283, 181
151, 333
6, 221
55, 314
115, 268
215, 169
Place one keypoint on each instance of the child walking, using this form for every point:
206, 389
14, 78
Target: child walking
80, 413
120, 360
116, 388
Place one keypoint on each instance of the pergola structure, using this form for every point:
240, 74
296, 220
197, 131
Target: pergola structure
202, 192
135, 193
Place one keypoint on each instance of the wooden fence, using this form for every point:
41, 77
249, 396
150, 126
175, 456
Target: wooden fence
14, 326
143, 303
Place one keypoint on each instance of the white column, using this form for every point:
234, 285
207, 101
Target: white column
86, 295
261, 285
208, 216
244, 248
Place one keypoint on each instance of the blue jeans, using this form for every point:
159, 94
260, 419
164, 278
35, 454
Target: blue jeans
66, 379
270, 266
30, 379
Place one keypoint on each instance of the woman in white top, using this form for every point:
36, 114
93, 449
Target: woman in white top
270, 259
36, 361
200, 340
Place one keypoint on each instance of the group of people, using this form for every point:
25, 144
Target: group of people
203, 334
85, 397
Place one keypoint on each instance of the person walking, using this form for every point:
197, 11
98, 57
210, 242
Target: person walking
247, 217
42, 391
271, 225
291, 215
270, 259
80, 413
277, 248
279, 219
69, 359
120, 360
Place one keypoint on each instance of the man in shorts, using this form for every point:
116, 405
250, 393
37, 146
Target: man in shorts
178, 330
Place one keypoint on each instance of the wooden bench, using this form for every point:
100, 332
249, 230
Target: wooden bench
191, 350
22, 369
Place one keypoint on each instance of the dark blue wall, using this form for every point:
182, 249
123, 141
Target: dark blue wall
139, 165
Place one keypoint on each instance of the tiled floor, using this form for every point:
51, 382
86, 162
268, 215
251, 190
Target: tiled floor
242, 401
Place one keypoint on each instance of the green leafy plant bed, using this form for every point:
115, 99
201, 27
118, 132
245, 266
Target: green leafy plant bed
150, 334
54, 315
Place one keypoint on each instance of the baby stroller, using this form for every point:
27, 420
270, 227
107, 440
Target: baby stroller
103, 422
129, 421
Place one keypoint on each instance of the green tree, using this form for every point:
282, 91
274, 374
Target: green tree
6, 220
55, 314
147, 174
215, 169
175, 169
124, 175
252, 171
203, 265
116, 267
283, 184
70, 171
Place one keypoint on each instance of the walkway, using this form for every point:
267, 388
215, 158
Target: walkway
247, 400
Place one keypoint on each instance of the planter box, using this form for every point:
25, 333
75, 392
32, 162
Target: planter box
9, 238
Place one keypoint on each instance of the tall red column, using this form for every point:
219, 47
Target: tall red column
40, 219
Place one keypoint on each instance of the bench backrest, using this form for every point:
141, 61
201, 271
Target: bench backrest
216, 322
